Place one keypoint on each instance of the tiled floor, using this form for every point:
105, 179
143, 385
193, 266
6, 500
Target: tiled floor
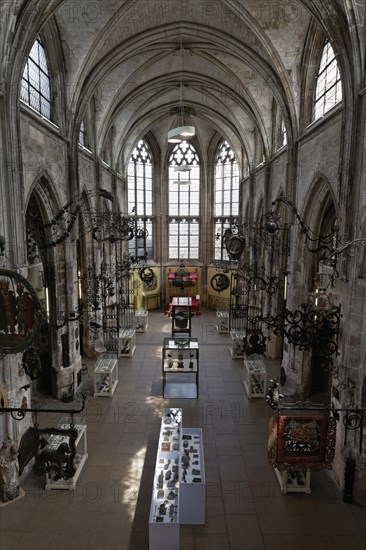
245, 509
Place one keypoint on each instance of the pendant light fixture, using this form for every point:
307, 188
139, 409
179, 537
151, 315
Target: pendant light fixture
182, 179
182, 131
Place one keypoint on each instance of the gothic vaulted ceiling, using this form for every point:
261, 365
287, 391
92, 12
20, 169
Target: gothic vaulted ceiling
132, 63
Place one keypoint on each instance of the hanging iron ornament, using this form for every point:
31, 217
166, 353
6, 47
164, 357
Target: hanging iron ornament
114, 226
314, 243
97, 287
58, 229
234, 243
330, 245
307, 328
20, 313
58, 319
268, 230
253, 280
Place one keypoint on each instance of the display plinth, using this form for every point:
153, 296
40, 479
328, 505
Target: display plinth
255, 377
294, 482
105, 375
126, 342
222, 321
141, 321
237, 344
180, 357
79, 459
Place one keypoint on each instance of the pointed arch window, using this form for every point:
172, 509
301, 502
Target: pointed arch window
35, 86
184, 202
139, 191
226, 200
328, 84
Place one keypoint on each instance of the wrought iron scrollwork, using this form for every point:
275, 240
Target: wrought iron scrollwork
315, 244
307, 328
58, 229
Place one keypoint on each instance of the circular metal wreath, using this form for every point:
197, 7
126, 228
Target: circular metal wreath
146, 275
220, 282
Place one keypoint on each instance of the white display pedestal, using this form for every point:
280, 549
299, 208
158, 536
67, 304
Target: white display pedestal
294, 482
222, 321
105, 375
126, 342
141, 321
255, 377
79, 460
237, 344
192, 483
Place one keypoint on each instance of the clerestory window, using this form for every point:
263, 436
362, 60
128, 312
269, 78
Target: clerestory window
82, 134
35, 85
328, 85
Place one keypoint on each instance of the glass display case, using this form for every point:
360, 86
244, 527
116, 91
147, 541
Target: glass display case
255, 377
105, 375
222, 321
294, 481
164, 509
180, 365
181, 314
141, 321
126, 342
237, 344
192, 483
178, 494
80, 457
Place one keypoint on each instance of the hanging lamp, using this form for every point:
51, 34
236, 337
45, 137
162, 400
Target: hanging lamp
183, 169
182, 131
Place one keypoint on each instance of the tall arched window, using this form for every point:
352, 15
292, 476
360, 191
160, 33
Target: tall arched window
226, 198
184, 202
35, 85
328, 85
139, 188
